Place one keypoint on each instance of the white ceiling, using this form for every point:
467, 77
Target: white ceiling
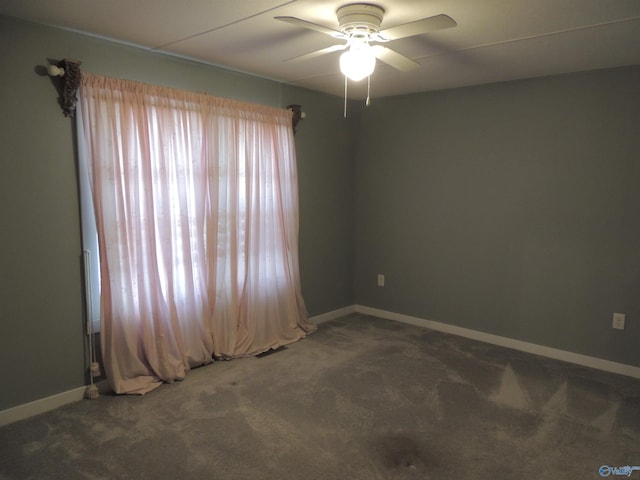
495, 40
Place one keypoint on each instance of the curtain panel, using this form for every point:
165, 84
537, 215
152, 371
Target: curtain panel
196, 213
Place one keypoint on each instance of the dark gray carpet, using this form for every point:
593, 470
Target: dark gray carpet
362, 398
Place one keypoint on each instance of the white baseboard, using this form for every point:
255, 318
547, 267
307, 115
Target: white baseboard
42, 405
570, 357
332, 315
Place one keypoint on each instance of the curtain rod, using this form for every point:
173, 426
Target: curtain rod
69, 71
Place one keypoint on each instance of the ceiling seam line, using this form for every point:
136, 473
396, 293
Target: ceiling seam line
531, 37
220, 27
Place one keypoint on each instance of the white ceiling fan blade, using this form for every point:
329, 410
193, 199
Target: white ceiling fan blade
317, 53
393, 58
312, 26
426, 25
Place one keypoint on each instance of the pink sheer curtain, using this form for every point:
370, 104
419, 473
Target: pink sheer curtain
196, 208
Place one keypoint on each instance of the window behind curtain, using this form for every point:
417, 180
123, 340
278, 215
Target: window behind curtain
196, 214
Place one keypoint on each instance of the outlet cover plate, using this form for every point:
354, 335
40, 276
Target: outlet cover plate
618, 321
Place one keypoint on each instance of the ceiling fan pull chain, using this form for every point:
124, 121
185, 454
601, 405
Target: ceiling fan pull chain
345, 96
368, 102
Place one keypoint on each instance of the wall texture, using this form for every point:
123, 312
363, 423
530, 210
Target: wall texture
41, 317
511, 209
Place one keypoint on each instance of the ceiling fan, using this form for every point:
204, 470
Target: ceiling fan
359, 28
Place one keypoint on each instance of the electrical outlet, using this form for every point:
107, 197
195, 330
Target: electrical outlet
380, 280
618, 321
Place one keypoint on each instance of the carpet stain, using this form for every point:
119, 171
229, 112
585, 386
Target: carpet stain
511, 393
32, 447
607, 420
459, 402
557, 404
400, 451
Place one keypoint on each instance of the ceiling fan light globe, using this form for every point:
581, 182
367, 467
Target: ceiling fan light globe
358, 63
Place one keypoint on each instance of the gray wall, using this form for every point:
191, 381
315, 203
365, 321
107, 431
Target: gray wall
41, 318
512, 209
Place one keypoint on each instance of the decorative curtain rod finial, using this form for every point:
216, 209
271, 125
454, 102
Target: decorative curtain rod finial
69, 71
55, 71
298, 115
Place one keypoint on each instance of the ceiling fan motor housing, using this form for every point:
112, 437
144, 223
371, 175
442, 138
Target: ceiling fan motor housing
360, 20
